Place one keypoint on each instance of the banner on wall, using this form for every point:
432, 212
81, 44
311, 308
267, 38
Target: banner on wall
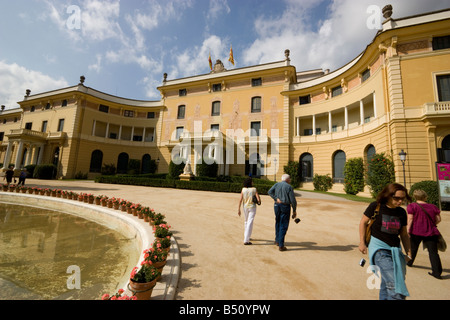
443, 176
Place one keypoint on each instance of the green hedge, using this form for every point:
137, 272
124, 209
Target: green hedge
216, 186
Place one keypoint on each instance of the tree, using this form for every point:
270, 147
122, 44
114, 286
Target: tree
380, 172
354, 176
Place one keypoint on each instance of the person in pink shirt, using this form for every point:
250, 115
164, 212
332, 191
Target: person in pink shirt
422, 220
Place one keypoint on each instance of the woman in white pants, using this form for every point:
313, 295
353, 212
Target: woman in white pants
247, 194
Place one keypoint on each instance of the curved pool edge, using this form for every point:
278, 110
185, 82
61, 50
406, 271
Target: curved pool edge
119, 221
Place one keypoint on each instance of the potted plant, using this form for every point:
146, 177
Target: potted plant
12, 187
29, 189
36, 190
163, 244
90, 198
48, 192
104, 201
159, 219
162, 231
143, 280
19, 189
157, 257
98, 198
115, 203
123, 205
81, 197
58, 193
118, 296
5, 187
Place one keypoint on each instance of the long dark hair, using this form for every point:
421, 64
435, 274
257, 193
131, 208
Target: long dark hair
389, 191
248, 182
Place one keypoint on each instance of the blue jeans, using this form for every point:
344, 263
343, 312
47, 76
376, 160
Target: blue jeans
282, 215
383, 260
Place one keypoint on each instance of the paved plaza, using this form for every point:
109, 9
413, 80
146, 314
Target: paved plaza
321, 261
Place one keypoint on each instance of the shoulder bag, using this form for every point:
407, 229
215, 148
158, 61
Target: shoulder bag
369, 225
442, 245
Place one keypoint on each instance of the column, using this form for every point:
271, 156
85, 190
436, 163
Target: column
36, 153
93, 128
107, 130
346, 118
19, 154
29, 154
120, 133
298, 126
314, 124
374, 105
143, 135
361, 112
8, 155
41, 154
132, 133
330, 122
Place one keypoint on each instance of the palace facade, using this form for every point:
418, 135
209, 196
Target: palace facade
394, 96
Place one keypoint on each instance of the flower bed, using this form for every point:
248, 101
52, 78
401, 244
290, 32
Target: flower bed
154, 258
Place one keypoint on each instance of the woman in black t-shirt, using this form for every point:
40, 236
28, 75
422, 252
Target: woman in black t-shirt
389, 224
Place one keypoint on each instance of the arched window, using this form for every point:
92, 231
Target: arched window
306, 167
446, 143
96, 161
146, 164
339, 160
370, 152
122, 163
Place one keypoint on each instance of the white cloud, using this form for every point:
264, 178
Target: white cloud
216, 8
190, 61
97, 66
16, 79
329, 43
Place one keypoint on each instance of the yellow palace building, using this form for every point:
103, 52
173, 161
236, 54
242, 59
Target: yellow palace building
394, 96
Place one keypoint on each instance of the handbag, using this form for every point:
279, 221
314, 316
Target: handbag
255, 200
441, 245
368, 232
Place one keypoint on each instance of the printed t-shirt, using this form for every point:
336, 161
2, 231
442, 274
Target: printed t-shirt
388, 223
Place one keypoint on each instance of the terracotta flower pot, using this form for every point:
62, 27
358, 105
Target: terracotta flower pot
142, 291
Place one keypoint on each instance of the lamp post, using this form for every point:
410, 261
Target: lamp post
275, 169
402, 155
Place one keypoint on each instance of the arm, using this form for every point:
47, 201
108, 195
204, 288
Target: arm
293, 202
258, 197
406, 242
410, 221
362, 233
240, 203
438, 218
271, 193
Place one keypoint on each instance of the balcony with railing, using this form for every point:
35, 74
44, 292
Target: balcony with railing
436, 108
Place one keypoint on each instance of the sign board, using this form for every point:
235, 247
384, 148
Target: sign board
443, 176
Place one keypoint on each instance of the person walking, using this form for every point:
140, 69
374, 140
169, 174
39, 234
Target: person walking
22, 177
247, 194
283, 195
384, 248
422, 220
9, 174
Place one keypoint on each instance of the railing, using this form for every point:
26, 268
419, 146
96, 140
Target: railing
29, 133
442, 107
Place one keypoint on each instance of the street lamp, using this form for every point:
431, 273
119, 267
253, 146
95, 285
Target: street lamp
402, 155
275, 169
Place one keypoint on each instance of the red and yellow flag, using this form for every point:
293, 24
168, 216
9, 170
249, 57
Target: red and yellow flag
210, 61
231, 59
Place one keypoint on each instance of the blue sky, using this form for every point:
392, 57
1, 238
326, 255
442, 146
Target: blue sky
123, 47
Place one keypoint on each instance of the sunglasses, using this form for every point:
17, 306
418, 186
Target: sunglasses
398, 198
